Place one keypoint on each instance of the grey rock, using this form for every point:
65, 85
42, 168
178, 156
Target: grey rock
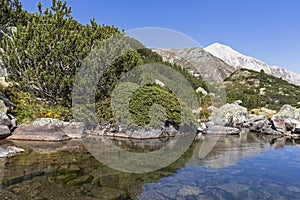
259, 123
47, 121
8, 104
14, 122
4, 120
270, 131
14, 150
286, 119
201, 90
3, 152
38, 133
3, 108
189, 191
10, 151
140, 132
222, 130
75, 130
232, 115
144, 133
4, 131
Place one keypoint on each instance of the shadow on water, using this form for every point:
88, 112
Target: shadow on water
67, 170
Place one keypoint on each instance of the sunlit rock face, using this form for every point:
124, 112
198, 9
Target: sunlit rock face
238, 60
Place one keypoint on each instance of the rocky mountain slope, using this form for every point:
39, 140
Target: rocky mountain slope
259, 89
238, 60
256, 88
198, 62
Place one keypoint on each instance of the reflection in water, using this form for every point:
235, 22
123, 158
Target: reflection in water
227, 150
238, 167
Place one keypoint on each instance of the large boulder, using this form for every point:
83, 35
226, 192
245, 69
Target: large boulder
232, 115
287, 119
75, 130
39, 133
258, 123
138, 133
221, 130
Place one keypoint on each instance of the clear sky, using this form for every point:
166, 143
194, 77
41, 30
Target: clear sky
265, 29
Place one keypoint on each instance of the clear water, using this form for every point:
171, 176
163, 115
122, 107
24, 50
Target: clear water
245, 167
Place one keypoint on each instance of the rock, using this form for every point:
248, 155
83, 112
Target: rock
286, 119
3, 152
141, 132
75, 130
238, 102
3, 108
232, 115
159, 83
270, 131
14, 150
47, 121
297, 129
4, 131
8, 104
145, 133
3, 82
4, 120
14, 122
259, 123
221, 130
38, 133
200, 89
10, 151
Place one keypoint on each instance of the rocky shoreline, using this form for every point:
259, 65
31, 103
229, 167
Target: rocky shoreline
229, 119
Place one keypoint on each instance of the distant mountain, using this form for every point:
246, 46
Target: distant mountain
238, 60
197, 60
256, 88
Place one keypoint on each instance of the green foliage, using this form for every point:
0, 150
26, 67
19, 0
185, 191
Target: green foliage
44, 54
11, 13
147, 96
148, 106
29, 108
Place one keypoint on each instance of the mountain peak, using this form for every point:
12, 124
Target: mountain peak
219, 45
238, 60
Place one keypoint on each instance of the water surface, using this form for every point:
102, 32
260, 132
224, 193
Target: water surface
237, 167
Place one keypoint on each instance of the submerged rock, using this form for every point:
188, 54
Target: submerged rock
10, 151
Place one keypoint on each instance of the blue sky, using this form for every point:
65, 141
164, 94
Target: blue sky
265, 29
